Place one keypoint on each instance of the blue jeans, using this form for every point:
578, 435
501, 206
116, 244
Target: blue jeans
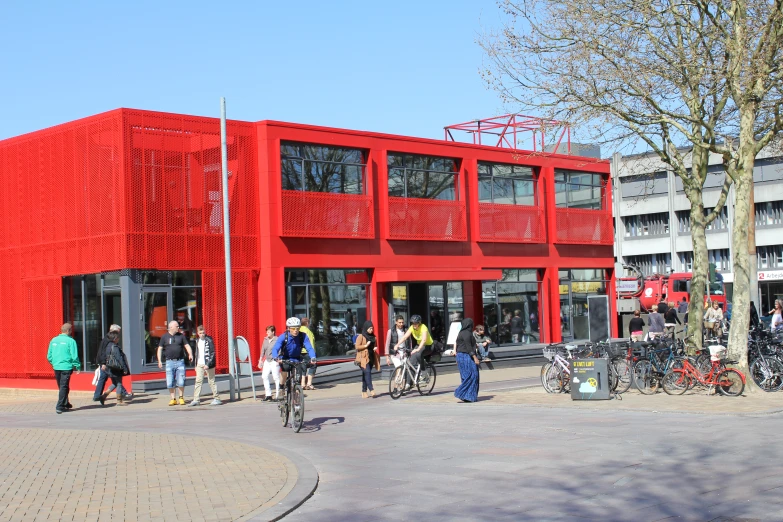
175, 369
103, 376
483, 352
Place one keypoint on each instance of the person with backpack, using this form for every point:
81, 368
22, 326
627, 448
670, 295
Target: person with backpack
100, 360
205, 364
116, 367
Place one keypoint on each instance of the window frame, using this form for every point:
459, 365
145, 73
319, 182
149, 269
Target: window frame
491, 176
406, 169
362, 181
574, 186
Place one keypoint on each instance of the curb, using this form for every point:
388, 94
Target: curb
293, 494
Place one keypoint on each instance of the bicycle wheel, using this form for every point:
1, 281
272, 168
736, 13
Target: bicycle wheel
730, 382
549, 378
426, 379
624, 375
397, 383
565, 378
767, 373
283, 406
676, 382
644, 377
297, 405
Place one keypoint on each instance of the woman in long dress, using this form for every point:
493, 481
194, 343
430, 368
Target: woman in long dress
467, 361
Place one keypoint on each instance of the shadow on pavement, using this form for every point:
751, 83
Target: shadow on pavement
317, 423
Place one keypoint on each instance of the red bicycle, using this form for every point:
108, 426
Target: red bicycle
728, 381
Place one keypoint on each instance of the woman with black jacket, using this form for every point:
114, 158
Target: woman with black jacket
468, 362
671, 319
116, 367
636, 327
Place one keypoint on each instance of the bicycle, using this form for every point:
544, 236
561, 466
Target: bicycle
766, 368
293, 401
648, 370
424, 377
620, 369
728, 381
556, 374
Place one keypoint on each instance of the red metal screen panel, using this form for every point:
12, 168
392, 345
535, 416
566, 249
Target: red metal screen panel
245, 312
321, 214
584, 227
427, 219
43, 317
174, 210
511, 223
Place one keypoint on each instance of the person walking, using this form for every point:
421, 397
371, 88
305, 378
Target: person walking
100, 360
517, 327
482, 342
268, 366
671, 319
712, 320
63, 355
636, 327
307, 381
367, 357
657, 323
394, 334
468, 363
683, 306
175, 345
116, 367
205, 364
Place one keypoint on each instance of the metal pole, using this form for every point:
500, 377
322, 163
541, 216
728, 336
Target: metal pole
227, 248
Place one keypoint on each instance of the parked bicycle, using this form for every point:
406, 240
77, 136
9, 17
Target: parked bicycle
556, 374
292, 402
405, 376
727, 381
765, 365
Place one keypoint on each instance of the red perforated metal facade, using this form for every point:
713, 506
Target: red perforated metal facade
511, 223
426, 219
326, 215
132, 189
578, 226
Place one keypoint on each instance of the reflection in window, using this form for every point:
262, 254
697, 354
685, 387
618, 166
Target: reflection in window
511, 308
426, 177
579, 189
506, 184
320, 168
335, 301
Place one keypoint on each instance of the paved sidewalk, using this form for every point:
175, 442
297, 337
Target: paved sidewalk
100, 475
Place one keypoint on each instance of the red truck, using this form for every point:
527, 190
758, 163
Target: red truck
642, 292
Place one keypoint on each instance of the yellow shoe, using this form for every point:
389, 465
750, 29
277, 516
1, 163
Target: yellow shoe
173, 402
182, 401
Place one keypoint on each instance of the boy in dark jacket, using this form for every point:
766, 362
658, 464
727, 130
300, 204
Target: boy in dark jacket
205, 363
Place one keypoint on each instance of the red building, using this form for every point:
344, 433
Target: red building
116, 218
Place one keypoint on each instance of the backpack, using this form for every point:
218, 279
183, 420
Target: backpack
114, 358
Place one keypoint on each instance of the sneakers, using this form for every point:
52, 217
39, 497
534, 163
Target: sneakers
216, 402
173, 402
194, 403
182, 401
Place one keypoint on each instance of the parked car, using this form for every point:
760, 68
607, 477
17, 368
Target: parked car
337, 327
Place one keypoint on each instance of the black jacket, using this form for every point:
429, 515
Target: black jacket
101, 357
671, 316
123, 360
209, 352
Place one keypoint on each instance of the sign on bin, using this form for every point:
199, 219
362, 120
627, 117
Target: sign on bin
589, 379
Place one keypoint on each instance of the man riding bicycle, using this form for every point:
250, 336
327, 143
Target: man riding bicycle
422, 336
289, 346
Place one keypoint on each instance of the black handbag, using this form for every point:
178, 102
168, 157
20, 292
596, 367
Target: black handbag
114, 359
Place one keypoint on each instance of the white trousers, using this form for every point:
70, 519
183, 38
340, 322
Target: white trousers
273, 368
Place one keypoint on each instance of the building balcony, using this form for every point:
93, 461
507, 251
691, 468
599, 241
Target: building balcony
327, 215
511, 223
427, 220
577, 226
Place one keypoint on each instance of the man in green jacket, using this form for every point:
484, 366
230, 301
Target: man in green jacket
63, 355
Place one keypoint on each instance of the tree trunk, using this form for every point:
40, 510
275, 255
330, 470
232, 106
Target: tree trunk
700, 272
738, 334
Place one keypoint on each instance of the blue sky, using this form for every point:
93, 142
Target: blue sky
404, 67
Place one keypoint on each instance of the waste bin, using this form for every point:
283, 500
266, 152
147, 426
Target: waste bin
589, 379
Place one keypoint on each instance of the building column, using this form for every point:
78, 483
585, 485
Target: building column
551, 291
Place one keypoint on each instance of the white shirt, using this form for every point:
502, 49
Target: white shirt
201, 362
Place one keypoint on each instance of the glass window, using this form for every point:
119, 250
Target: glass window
506, 184
651, 264
111, 279
511, 308
769, 214
579, 189
82, 308
186, 278
647, 225
425, 177
770, 256
187, 310
321, 168
334, 301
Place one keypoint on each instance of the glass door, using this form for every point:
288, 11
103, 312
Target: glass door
398, 302
437, 310
156, 314
565, 312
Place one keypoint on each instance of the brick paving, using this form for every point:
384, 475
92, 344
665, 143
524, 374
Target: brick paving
90, 475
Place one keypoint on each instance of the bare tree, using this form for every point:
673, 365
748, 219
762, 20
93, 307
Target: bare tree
625, 72
752, 32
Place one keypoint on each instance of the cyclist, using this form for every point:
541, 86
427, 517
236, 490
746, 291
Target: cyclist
422, 336
290, 345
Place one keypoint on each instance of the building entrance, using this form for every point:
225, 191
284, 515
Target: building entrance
438, 303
